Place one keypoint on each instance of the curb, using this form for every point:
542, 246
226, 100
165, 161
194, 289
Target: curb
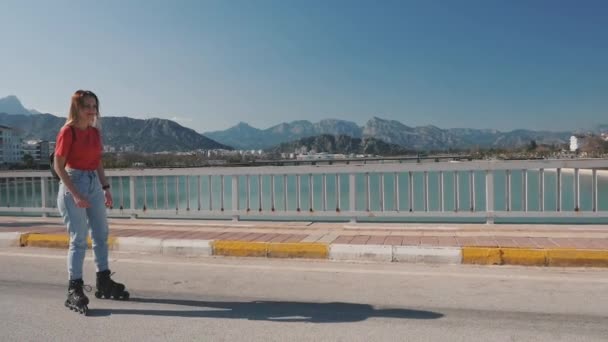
309, 250
427, 255
361, 252
561, 257
186, 247
556, 257
138, 244
10, 239
54, 240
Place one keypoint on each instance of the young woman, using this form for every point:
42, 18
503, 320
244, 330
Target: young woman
84, 194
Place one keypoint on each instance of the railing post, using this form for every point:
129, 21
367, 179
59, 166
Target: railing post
285, 192
489, 197
298, 190
132, 196
396, 203
338, 194
155, 191
558, 193
198, 193
410, 190
508, 190
187, 192
577, 194
222, 205
441, 189
426, 191
272, 192
594, 190
456, 191
541, 190
367, 193
43, 193
472, 204
351, 197
235, 198
524, 190
382, 208
311, 193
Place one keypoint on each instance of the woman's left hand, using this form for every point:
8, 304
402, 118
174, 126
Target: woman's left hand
108, 198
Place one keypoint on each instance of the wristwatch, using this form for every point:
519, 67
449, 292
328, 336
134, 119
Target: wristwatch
106, 187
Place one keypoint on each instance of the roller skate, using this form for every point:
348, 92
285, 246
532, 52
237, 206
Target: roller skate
77, 300
108, 288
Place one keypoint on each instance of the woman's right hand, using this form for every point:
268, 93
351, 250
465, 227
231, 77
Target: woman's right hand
81, 202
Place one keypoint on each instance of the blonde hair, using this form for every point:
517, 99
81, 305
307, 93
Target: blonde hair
77, 102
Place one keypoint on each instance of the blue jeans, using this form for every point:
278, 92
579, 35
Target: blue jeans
78, 221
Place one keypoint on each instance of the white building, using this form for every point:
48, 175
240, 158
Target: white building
109, 148
573, 144
10, 146
38, 149
127, 148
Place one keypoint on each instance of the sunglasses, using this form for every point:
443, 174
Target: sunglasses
81, 92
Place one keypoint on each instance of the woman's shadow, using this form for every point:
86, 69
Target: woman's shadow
277, 311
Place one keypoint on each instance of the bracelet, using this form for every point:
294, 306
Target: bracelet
106, 187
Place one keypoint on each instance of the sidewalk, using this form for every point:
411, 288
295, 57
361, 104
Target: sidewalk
541, 245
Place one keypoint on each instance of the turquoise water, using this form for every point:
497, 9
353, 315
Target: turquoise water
464, 198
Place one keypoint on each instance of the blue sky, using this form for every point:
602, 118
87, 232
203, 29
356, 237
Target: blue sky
211, 64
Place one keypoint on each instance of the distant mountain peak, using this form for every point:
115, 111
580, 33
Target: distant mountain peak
243, 128
243, 124
12, 105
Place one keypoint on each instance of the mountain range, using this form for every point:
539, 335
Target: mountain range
149, 135
424, 138
343, 144
155, 135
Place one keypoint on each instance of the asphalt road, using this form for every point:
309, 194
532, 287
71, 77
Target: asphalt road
229, 299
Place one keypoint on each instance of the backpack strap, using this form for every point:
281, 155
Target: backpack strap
52, 155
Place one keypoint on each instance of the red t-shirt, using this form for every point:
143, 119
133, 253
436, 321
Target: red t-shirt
84, 153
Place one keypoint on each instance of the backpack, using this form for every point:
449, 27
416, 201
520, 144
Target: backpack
52, 156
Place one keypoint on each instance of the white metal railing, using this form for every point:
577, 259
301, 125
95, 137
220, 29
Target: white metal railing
480, 189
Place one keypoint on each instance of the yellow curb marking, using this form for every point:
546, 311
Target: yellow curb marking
55, 240
298, 250
271, 249
535, 257
524, 257
481, 256
577, 257
239, 248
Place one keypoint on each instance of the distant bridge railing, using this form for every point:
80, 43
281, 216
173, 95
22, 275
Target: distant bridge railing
403, 191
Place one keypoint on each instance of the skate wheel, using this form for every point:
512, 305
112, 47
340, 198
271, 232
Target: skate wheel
125, 295
97, 294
